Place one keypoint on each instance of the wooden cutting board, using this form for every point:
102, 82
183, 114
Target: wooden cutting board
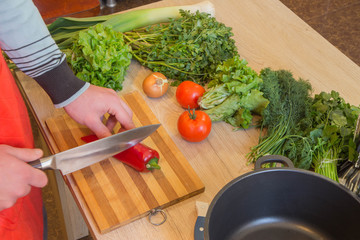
114, 192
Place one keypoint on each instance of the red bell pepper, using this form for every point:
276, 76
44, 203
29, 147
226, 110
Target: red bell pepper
140, 157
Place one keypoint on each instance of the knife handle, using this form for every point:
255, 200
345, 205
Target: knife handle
44, 163
36, 164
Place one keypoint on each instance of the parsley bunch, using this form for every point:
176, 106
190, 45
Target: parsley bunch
332, 132
187, 48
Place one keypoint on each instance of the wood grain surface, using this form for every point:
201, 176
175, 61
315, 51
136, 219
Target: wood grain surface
267, 34
115, 193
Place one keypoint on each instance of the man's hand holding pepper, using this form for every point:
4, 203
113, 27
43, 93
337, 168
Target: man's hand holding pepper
90, 107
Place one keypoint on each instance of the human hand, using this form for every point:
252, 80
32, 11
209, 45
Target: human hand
90, 107
16, 176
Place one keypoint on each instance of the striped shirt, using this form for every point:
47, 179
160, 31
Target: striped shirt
25, 38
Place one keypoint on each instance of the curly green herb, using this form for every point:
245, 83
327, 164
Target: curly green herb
187, 48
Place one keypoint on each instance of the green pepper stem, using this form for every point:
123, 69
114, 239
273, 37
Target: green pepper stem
153, 164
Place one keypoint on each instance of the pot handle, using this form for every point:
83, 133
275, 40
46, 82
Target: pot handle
201, 208
273, 159
199, 229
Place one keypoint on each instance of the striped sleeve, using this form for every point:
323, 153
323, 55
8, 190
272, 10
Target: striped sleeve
25, 38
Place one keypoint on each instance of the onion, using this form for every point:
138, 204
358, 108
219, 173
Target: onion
155, 85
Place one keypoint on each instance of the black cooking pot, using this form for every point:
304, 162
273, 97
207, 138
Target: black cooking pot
283, 203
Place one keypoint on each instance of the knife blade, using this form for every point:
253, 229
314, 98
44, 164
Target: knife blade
85, 155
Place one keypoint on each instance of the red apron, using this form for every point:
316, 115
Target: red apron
25, 219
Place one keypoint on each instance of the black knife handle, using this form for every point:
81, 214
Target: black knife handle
36, 164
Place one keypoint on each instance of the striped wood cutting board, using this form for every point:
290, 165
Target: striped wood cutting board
115, 193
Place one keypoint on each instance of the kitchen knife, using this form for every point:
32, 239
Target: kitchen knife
85, 155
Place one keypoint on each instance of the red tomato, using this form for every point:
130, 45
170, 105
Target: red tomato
155, 85
188, 93
194, 126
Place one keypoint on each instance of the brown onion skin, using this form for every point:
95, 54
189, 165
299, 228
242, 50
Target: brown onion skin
155, 85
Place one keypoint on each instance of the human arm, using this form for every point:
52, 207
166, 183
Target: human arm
25, 39
17, 175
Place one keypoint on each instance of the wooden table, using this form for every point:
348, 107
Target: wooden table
267, 34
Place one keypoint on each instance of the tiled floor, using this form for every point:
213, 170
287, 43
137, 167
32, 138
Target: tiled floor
336, 20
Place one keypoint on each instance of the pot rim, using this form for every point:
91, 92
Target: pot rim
269, 170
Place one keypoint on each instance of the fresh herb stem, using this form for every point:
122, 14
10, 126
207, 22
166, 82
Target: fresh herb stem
186, 48
65, 29
285, 117
314, 132
161, 63
326, 163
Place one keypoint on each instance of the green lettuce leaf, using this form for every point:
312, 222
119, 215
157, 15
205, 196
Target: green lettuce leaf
241, 119
255, 101
100, 56
234, 94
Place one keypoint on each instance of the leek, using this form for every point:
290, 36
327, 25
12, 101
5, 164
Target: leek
65, 29
144, 17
